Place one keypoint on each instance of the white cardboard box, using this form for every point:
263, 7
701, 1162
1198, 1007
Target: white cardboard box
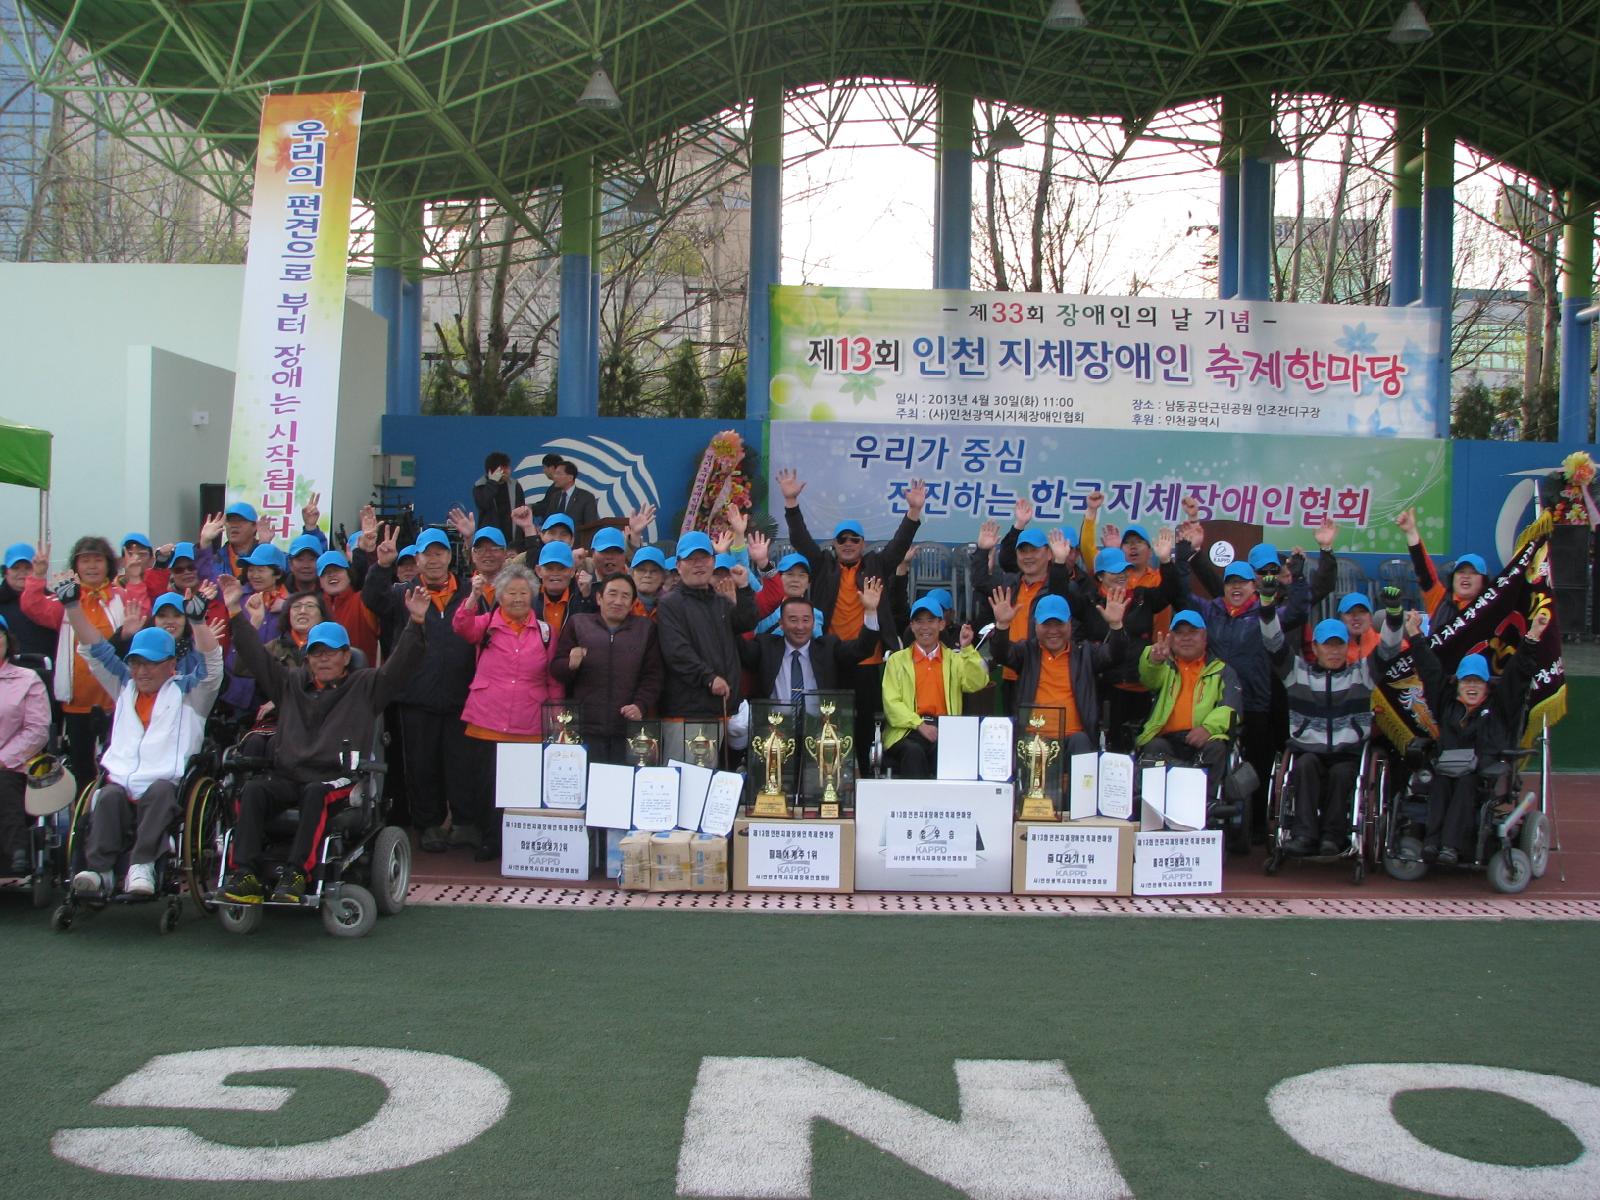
539, 844
945, 810
1177, 864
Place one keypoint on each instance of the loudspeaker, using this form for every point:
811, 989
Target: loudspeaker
213, 498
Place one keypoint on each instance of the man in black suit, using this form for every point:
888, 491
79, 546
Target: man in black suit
797, 661
565, 496
496, 495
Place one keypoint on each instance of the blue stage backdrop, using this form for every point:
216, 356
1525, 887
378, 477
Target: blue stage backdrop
1495, 486
626, 462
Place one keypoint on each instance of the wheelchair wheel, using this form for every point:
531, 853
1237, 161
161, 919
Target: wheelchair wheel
75, 829
391, 869
170, 912
351, 912
1374, 799
240, 918
1409, 868
61, 919
1533, 839
1278, 797
1510, 871
201, 817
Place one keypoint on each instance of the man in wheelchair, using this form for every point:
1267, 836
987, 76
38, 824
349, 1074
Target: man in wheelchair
1330, 719
1478, 718
1197, 697
157, 726
323, 706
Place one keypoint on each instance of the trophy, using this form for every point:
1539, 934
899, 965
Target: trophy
702, 749
774, 747
1035, 755
561, 726
644, 744
829, 750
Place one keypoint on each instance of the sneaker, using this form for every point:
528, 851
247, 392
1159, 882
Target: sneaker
19, 862
242, 887
141, 879
465, 835
92, 883
291, 887
1449, 856
432, 840
1430, 851
1300, 846
1330, 847
487, 852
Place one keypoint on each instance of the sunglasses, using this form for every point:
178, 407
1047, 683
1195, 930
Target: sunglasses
847, 539
1266, 571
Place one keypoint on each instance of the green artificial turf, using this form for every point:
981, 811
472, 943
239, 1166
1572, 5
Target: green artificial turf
1174, 1030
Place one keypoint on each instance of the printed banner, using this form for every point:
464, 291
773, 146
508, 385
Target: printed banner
1494, 627
286, 387
1286, 485
1091, 362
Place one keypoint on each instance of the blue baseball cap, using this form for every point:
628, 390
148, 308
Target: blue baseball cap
1261, 554
648, 554
557, 553
432, 537
1187, 616
1051, 608
1140, 532
1473, 666
183, 550
849, 527
306, 543
694, 542
152, 645
725, 562
167, 600
327, 633
1031, 537
925, 605
266, 555
792, 560
406, 552
942, 595
555, 519
672, 562
1238, 570
18, 552
332, 559
1072, 537
1354, 600
241, 510
136, 539
1475, 561
608, 539
1110, 561
490, 534
1331, 630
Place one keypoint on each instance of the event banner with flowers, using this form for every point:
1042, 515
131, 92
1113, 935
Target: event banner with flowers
286, 386
1101, 362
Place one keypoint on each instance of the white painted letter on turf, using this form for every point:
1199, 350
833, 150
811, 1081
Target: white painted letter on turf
1024, 1131
435, 1104
1343, 1114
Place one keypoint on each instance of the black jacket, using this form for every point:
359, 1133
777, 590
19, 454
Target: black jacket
699, 642
620, 667
494, 503
29, 638
1088, 662
582, 507
1493, 726
766, 653
825, 567
440, 681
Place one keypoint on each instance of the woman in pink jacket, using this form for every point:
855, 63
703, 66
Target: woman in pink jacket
505, 702
24, 729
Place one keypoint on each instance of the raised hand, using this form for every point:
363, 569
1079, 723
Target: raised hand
1326, 532
231, 590
1110, 535
1194, 533
760, 547
310, 514
738, 520
723, 586
208, 590
639, 520
1061, 550
988, 535
211, 528
791, 485
1092, 503
1390, 597
722, 540
871, 594
266, 528
1165, 541
1161, 649
584, 582
478, 584
916, 499
522, 518
1407, 520
417, 602
964, 639
1537, 626
740, 576
1413, 623
388, 550
132, 618
218, 628
1116, 605
256, 609
195, 607
1002, 605
1191, 508
41, 561
463, 523
1022, 513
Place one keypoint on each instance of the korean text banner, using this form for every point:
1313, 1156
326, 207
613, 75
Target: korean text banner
286, 390
977, 473
856, 354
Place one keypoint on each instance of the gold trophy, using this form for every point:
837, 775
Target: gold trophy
829, 749
564, 735
702, 750
1034, 755
643, 748
771, 800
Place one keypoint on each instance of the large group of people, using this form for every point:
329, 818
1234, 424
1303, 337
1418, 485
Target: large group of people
1132, 638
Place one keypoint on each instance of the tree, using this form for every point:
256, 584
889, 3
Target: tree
684, 391
1474, 414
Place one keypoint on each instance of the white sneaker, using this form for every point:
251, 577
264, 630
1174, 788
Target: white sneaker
141, 879
91, 883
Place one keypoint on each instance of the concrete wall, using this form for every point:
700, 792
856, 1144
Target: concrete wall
115, 359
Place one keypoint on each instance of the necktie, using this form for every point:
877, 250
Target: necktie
797, 678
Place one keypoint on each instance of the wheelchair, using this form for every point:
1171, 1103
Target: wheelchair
170, 881
1364, 846
1229, 790
362, 864
1512, 837
46, 805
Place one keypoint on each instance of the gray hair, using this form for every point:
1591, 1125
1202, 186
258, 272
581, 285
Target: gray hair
514, 573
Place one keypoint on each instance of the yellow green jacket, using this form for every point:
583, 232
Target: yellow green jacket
1216, 695
964, 671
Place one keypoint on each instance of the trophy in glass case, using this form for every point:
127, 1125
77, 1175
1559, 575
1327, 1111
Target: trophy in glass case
830, 774
566, 761
692, 740
561, 725
1039, 762
643, 740
771, 768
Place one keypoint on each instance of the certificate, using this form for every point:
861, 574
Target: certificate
722, 803
655, 798
995, 750
566, 771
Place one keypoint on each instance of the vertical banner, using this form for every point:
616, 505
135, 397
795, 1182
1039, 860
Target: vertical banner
286, 385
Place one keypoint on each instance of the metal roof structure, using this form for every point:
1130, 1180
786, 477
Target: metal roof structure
476, 98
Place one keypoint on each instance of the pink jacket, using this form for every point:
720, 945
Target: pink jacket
512, 682
24, 716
